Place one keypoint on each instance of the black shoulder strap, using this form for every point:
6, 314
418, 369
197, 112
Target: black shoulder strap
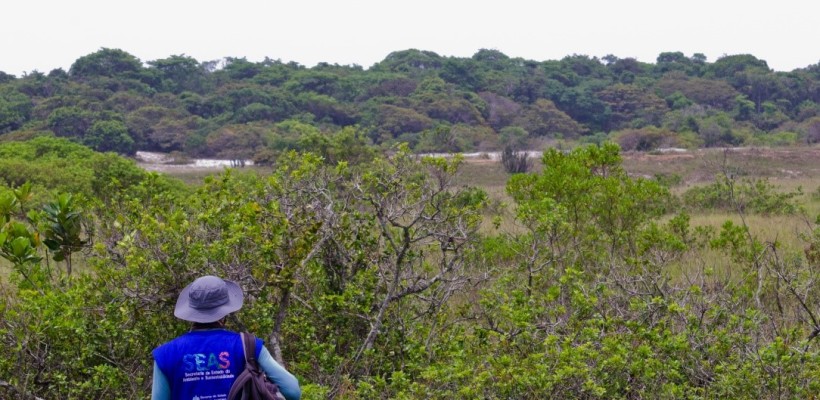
249, 347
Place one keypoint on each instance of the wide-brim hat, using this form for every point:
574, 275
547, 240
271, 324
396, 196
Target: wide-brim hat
208, 299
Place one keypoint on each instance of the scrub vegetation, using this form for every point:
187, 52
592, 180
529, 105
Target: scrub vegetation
665, 244
399, 276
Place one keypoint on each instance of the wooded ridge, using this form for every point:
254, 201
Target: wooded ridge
237, 109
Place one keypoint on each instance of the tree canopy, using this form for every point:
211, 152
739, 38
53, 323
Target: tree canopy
111, 100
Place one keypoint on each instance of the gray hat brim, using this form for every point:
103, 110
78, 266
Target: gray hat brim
186, 312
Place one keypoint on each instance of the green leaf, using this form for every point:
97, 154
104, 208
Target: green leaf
52, 244
23, 193
21, 247
7, 204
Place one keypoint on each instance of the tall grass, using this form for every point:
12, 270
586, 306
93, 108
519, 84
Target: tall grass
784, 230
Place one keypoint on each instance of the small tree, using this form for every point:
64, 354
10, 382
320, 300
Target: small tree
62, 225
425, 228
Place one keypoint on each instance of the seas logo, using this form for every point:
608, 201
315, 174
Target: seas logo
206, 362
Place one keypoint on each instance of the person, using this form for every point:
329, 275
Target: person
204, 363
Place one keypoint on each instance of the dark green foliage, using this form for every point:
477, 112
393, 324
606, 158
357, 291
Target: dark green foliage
669, 180
515, 162
392, 121
732, 65
712, 93
179, 73
4, 77
106, 63
582, 104
413, 62
62, 228
109, 136
736, 100
15, 109
677, 61
70, 121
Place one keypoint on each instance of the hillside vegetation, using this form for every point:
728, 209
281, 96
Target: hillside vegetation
236, 109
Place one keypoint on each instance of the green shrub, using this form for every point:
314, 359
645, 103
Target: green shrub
669, 180
756, 196
374, 284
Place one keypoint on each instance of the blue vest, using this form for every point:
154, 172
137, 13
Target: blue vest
202, 365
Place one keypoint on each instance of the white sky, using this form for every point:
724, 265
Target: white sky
46, 34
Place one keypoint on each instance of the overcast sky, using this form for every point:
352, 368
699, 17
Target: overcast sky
46, 34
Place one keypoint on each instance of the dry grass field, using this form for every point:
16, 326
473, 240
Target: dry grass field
781, 164
786, 168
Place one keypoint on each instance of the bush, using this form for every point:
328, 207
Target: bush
774, 139
669, 180
373, 282
756, 196
646, 139
514, 161
59, 165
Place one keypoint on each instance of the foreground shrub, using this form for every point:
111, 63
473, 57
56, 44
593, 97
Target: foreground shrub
372, 283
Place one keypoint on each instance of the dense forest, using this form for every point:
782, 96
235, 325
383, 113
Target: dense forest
233, 108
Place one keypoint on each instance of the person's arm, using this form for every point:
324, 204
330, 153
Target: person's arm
288, 384
160, 389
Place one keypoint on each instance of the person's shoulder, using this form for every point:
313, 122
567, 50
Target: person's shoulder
256, 338
168, 345
160, 351
175, 342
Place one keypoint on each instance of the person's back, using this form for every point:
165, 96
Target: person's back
204, 363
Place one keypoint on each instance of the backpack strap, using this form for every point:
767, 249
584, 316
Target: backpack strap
248, 342
252, 383
249, 348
